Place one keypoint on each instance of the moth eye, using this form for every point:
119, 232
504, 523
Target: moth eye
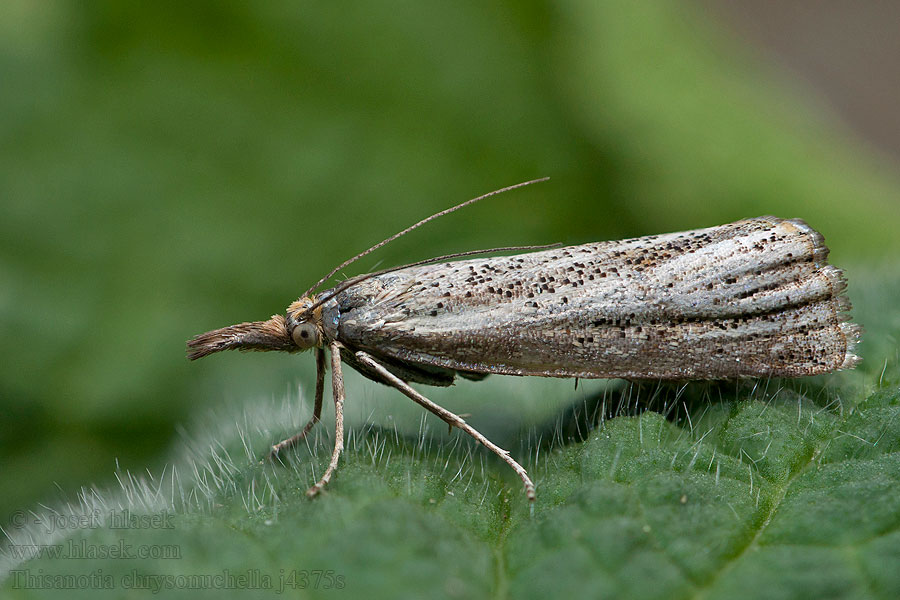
305, 335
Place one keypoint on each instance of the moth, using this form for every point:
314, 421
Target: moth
754, 298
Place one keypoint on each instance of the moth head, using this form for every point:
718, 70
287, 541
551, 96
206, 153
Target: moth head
258, 335
305, 335
303, 323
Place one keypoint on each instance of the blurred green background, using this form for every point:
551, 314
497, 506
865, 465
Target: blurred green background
170, 168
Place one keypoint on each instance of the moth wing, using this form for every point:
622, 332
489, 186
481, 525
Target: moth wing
752, 298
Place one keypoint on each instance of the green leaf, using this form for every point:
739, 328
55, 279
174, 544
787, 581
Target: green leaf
698, 491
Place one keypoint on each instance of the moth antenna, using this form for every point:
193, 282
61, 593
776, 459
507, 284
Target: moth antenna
419, 224
360, 278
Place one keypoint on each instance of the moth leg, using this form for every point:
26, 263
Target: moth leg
337, 388
450, 418
317, 408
